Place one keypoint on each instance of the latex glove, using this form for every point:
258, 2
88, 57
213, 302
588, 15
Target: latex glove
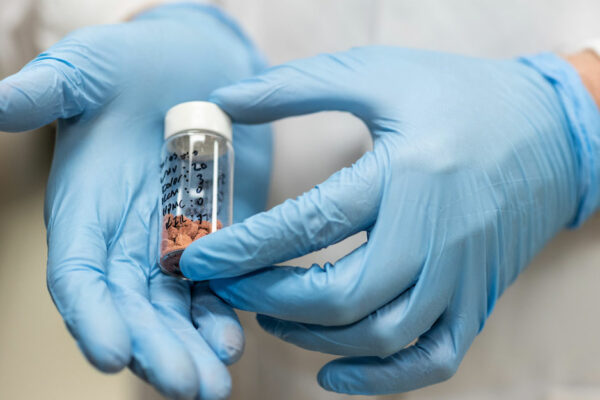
111, 87
475, 166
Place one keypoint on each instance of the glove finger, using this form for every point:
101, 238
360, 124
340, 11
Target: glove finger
344, 204
374, 335
435, 357
360, 282
299, 87
77, 283
171, 299
217, 323
159, 355
382, 333
405, 246
326, 296
54, 85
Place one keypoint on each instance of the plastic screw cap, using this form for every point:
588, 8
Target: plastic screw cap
197, 115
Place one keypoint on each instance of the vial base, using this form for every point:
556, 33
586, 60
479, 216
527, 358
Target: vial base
169, 264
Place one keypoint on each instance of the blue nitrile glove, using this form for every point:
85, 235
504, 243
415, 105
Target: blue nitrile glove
476, 165
111, 86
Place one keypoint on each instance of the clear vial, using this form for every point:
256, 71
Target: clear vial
196, 178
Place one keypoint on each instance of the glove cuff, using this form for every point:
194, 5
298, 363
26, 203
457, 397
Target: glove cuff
584, 121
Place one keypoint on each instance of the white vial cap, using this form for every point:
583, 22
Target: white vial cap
200, 115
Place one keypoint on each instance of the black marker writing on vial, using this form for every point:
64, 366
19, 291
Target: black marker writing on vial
169, 180
172, 182
172, 206
174, 221
175, 196
196, 166
167, 195
167, 172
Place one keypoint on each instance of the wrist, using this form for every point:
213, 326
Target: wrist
582, 122
587, 65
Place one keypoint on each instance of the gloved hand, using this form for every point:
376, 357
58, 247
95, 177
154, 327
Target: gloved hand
110, 86
476, 164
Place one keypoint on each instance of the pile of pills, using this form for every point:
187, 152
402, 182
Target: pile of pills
178, 232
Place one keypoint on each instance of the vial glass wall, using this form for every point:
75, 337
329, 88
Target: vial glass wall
197, 188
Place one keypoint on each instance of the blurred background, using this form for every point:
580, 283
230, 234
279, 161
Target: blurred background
541, 342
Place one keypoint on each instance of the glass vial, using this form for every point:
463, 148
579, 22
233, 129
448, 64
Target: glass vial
196, 178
